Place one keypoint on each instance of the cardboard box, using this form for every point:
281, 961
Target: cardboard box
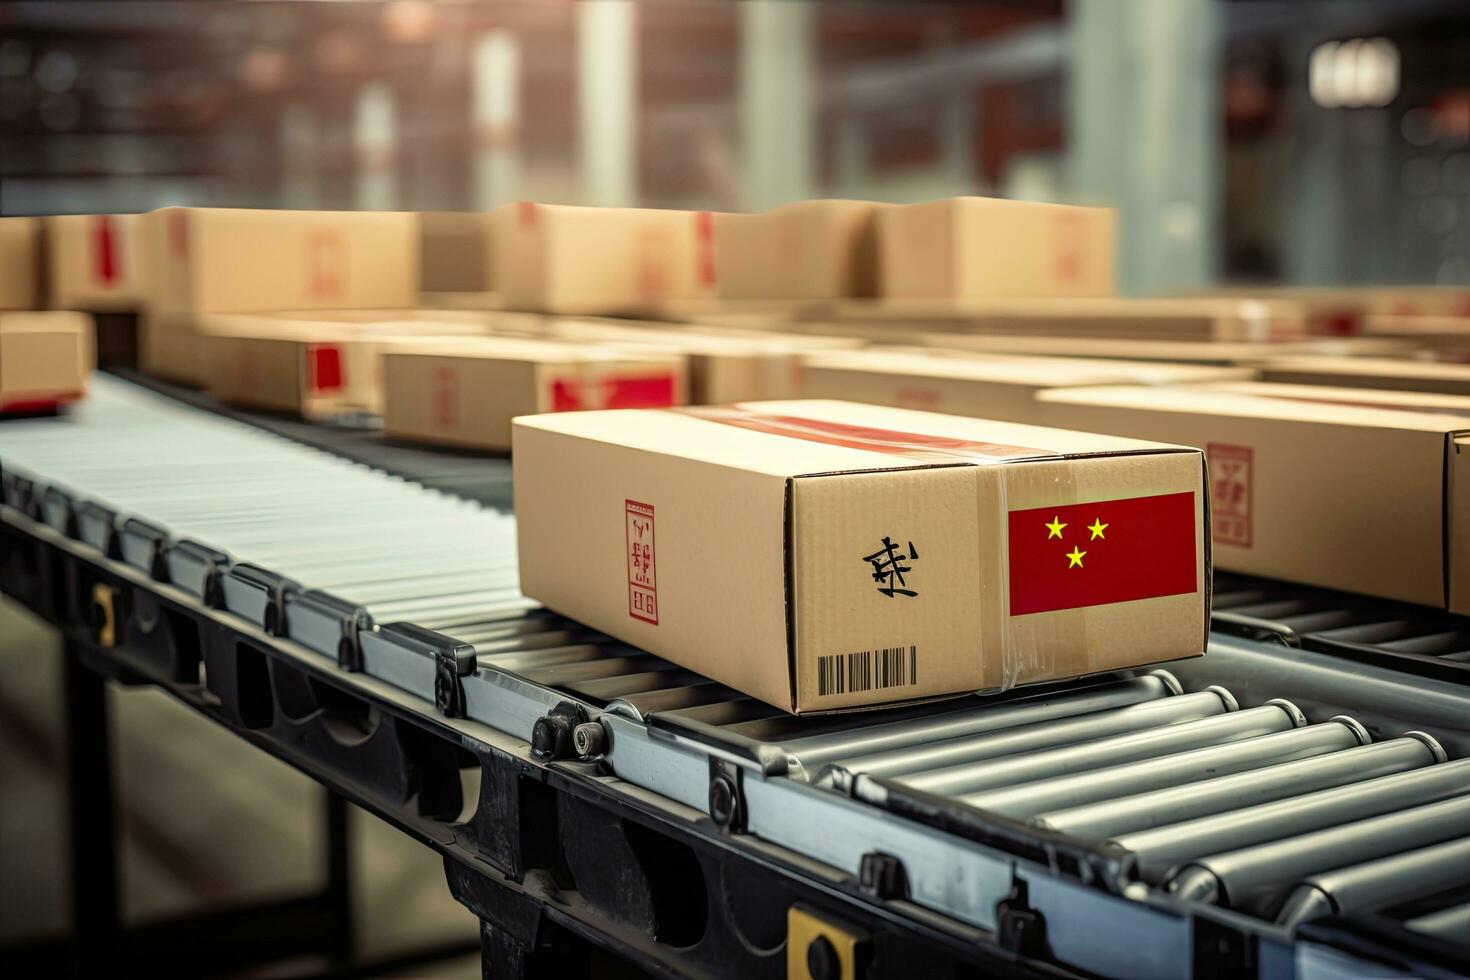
20, 264
1406, 401
94, 262
967, 248
455, 252
1370, 372
824, 556
559, 259
993, 386
1352, 497
1345, 311
234, 260
801, 251
465, 393
1249, 321
1202, 352
45, 359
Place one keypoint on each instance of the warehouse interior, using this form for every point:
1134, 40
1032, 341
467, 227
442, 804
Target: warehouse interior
1241, 227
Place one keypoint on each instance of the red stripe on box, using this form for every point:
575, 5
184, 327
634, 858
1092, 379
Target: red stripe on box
103, 254
48, 401
1094, 554
324, 367
911, 445
704, 237
639, 391
566, 395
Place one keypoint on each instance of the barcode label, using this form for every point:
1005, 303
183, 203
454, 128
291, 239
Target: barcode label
867, 670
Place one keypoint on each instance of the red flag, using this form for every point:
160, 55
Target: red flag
1107, 551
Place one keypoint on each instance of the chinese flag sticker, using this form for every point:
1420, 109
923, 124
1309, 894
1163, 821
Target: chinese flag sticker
1103, 552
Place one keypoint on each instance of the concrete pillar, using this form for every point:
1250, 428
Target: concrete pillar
777, 101
1145, 133
496, 117
957, 141
375, 144
298, 157
607, 101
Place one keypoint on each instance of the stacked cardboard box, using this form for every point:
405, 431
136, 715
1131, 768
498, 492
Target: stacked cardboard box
810, 250
993, 387
1371, 372
1346, 311
1440, 337
1171, 351
465, 392
20, 264
1335, 491
825, 556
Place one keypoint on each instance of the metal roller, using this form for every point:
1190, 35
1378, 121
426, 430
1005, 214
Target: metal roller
1029, 799
811, 752
1161, 849
1239, 878
1175, 804
1276, 716
1372, 884
1036, 736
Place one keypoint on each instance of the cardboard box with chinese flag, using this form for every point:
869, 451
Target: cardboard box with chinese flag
808, 250
968, 248
1389, 374
233, 260
824, 556
20, 264
45, 359
562, 259
1339, 493
464, 393
1202, 352
984, 386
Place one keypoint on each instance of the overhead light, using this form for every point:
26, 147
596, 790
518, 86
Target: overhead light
1353, 74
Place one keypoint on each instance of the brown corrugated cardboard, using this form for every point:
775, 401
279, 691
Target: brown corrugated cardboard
20, 263
455, 252
543, 257
231, 260
824, 556
1371, 372
465, 393
1251, 321
1170, 351
1344, 311
1343, 496
1407, 401
45, 358
978, 385
967, 248
94, 262
802, 251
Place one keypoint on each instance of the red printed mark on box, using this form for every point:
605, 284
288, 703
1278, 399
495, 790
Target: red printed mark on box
1230, 493
446, 397
642, 582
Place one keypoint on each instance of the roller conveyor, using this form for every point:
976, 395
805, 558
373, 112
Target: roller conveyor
1178, 788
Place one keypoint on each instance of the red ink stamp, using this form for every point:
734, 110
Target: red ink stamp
1230, 493
642, 582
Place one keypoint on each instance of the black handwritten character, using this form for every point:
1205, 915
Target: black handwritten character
889, 568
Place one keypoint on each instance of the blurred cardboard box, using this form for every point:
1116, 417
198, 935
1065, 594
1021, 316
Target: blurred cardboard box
455, 250
20, 264
1370, 372
824, 556
45, 359
968, 248
994, 387
1407, 401
315, 368
465, 393
1345, 311
94, 262
1344, 496
231, 260
560, 259
1171, 351
1110, 317
1439, 337
805, 250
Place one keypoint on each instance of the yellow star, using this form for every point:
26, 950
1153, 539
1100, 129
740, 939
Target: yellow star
1097, 527
1075, 557
1054, 529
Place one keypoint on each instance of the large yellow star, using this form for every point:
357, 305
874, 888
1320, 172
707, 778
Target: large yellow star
1054, 529
1097, 527
1074, 558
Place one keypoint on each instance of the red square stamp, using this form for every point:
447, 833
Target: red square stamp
1230, 493
642, 580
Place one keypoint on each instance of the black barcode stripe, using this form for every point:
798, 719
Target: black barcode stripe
867, 670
